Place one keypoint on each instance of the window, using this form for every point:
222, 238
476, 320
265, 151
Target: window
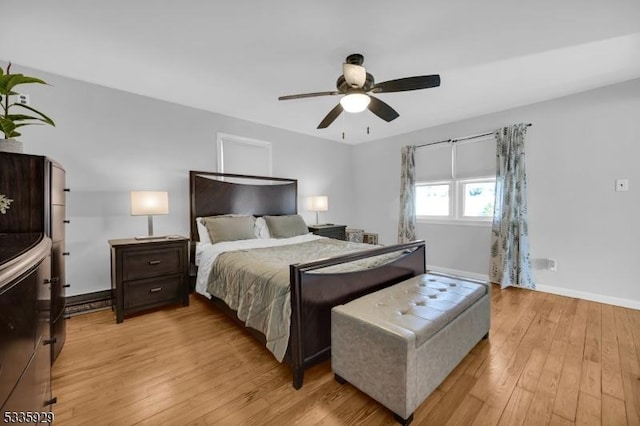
456, 182
240, 155
433, 199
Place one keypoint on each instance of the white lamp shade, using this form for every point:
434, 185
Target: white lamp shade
355, 102
319, 203
146, 203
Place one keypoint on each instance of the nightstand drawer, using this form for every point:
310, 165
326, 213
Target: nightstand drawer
152, 263
148, 293
337, 234
330, 231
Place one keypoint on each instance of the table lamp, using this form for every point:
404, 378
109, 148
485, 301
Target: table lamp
149, 203
319, 203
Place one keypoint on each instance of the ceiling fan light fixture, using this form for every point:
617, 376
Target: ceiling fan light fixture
355, 102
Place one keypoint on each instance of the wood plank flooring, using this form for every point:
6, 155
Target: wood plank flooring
550, 360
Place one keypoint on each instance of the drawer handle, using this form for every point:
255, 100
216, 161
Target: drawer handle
66, 285
52, 280
50, 341
154, 262
51, 401
66, 221
66, 253
155, 290
67, 190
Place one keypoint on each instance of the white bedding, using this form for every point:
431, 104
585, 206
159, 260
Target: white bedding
207, 253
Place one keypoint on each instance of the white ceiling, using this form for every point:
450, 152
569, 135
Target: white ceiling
237, 57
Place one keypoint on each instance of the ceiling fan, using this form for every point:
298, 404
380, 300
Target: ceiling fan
356, 84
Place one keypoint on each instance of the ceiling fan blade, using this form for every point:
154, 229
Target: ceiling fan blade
307, 95
355, 75
382, 110
408, 83
330, 118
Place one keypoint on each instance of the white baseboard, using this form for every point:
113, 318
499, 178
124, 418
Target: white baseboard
593, 297
464, 274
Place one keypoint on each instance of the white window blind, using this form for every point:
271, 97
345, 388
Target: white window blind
433, 163
476, 158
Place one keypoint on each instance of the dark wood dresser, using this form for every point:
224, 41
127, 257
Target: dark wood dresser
149, 273
25, 357
337, 232
36, 186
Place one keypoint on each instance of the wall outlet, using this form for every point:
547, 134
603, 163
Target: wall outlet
21, 98
622, 185
552, 265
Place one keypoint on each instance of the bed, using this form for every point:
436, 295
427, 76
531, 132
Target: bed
313, 288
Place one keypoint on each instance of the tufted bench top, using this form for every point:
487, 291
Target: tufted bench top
418, 307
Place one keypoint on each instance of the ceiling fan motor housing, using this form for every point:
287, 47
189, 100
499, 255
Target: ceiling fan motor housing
343, 86
355, 59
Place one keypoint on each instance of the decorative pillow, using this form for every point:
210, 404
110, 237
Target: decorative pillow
262, 230
230, 228
286, 226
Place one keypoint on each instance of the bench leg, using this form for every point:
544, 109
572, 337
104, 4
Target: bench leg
403, 422
339, 379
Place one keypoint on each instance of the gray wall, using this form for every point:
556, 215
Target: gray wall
111, 142
577, 147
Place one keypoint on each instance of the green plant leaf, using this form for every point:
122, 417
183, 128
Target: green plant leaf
21, 117
44, 117
16, 79
4, 80
7, 126
28, 124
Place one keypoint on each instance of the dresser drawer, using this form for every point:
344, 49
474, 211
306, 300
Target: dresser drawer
151, 292
57, 185
57, 223
138, 264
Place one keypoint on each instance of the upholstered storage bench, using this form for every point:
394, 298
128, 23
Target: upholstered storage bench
398, 344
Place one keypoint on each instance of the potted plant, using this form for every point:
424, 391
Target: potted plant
11, 121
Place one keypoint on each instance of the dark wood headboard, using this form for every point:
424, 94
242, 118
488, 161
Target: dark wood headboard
213, 194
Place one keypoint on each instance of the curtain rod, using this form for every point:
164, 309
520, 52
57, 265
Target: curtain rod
465, 138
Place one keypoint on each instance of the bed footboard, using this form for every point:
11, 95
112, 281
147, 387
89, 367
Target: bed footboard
314, 294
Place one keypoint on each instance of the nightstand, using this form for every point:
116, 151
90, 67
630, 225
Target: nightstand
147, 274
331, 231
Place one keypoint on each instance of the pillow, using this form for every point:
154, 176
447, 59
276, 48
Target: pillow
286, 226
262, 230
203, 234
230, 228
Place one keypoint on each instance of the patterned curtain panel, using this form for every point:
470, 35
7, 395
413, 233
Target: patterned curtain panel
407, 223
510, 263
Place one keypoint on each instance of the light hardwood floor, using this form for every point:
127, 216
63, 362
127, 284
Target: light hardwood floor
549, 360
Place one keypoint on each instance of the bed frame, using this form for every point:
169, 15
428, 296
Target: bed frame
312, 294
